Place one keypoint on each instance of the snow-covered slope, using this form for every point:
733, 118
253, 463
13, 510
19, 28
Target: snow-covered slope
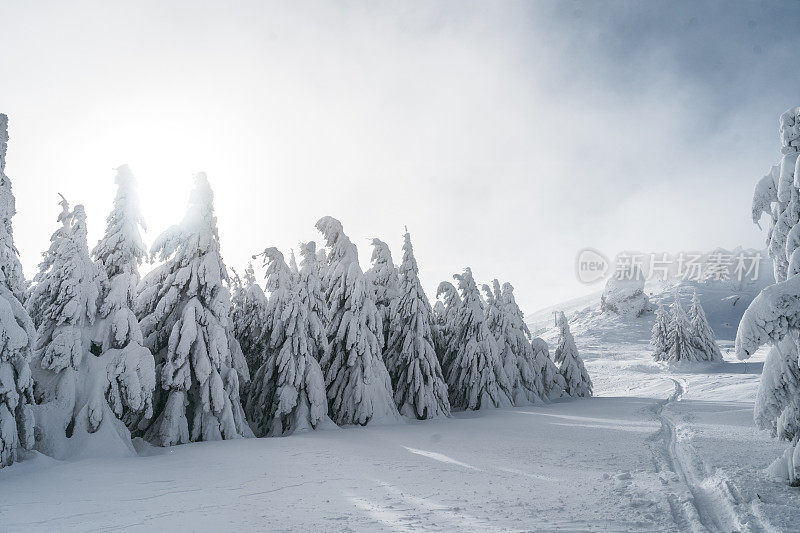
657, 449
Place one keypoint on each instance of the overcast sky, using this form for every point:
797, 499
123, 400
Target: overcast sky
507, 136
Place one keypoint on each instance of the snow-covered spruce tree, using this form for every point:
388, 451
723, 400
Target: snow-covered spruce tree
130, 366
475, 376
248, 315
530, 386
16, 330
571, 365
702, 333
774, 316
384, 283
681, 342
419, 387
288, 391
661, 334
494, 319
553, 381
183, 308
358, 384
81, 389
446, 322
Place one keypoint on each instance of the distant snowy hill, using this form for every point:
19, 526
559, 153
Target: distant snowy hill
723, 301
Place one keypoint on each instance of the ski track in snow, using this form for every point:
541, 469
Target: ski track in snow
699, 502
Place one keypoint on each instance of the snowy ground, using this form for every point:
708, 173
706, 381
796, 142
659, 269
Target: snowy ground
658, 449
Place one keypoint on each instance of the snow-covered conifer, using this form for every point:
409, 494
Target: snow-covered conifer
184, 307
130, 366
702, 333
553, 381
446, 310
475, 375
288, 390
661, 334
248, 315
419, 387
495, 320
16, 330
384, 283
681, 342
529, 386
571, 365
358, 384
78, 386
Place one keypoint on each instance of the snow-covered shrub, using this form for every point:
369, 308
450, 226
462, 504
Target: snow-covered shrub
571, 367
624, 296
248, 315
474, 371
287, 392
681, 342
384, 283
183, 307
358, 384
529, 386
419, 387
661, 333
130, 366
16, 330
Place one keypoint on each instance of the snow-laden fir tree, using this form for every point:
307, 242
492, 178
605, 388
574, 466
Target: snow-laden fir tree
129, 365
248, 315
384, 282
681, 342
475, 376
571, 366
81, 389
661, 334
774, 315
358, 384
448, 304
419, 387
16, 330
183, 308
530, 386
552, 380
494, 319
702, 333
288, 390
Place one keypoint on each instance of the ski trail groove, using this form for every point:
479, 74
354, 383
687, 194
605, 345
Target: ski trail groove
700, 502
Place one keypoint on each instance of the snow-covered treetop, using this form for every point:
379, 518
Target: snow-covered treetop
449, 295
343, 256
121, 249
470, 296
278, 273
510, 305
383, 274
197, 234
10, 267
790, 130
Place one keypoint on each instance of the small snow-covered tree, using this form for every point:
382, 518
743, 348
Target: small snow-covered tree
358, 384
248, 314
571, 366
129, 365
447, 307
553, 381
183, 307
529, 386
384, 283
288, 390
16, 330
419, 387
661, 334
702, 333
680, 341
475, 375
